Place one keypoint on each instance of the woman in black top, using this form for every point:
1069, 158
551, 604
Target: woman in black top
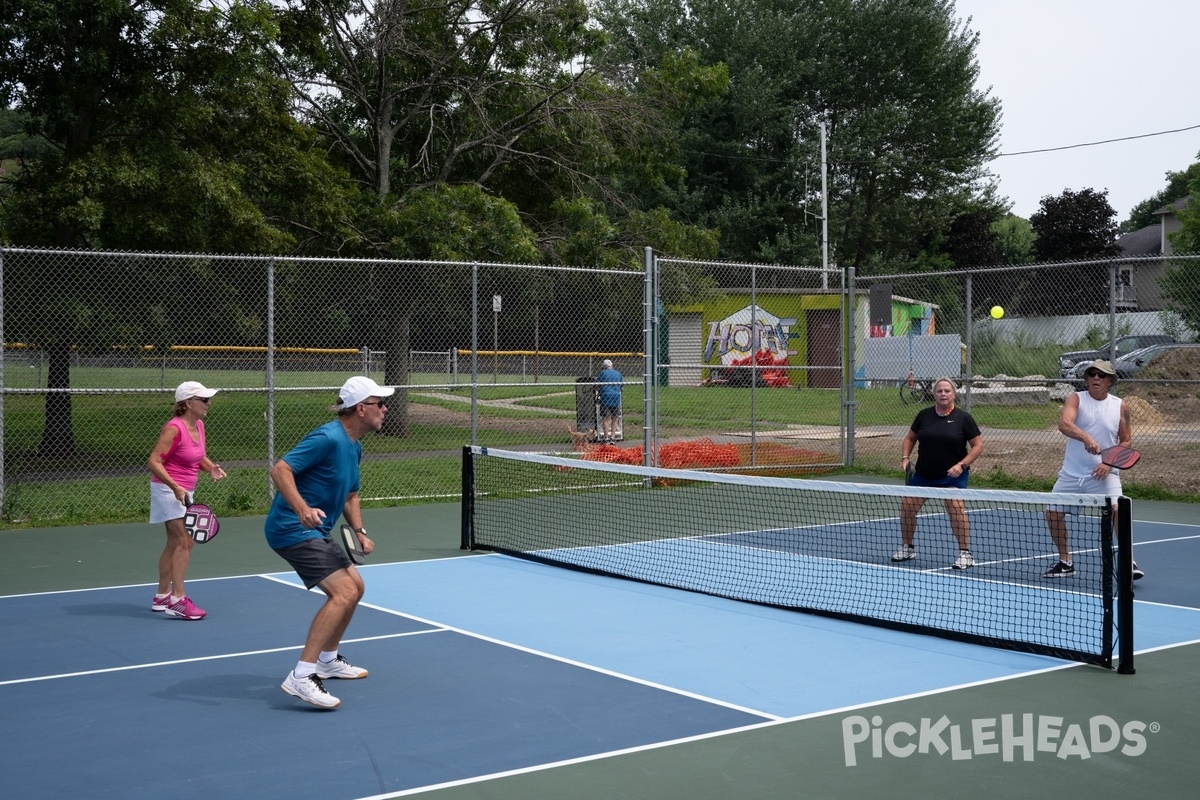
949, 441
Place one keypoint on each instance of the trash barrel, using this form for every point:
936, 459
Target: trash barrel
585, 404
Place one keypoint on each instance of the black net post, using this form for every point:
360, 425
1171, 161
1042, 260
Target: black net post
1125, 586
468, 498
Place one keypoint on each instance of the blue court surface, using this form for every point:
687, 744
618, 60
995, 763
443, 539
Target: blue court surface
480, 666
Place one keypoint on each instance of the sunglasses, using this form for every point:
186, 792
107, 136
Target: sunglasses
380, 403
1095, 373
204, 400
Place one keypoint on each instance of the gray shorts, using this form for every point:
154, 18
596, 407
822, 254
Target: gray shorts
315, 559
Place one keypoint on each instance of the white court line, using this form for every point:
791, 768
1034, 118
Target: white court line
223, 578
197, 659
436, 628
562, 660
713, 734
743, 729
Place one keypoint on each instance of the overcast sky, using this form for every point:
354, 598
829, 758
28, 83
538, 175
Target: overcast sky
1070, 72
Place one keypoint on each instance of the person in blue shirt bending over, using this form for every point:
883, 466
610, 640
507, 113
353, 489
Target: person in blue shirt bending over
610, 400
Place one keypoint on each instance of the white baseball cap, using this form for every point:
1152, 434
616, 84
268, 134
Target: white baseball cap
357, 389
608, 363
189, 389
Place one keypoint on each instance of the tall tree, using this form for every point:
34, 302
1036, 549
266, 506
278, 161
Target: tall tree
1076, 226
1178, 187
894, 81
972, 241
159, 127
1181, 281
1014, 239
414, 95
489, 112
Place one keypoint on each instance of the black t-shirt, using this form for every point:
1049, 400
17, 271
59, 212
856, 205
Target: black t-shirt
942, 441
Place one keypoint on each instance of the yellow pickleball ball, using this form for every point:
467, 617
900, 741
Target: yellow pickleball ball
997, 312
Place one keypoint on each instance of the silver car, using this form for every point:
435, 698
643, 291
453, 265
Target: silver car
1128, 365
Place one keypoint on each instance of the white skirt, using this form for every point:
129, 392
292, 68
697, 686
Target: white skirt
163, 505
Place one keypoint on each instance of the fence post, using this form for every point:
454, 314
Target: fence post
474, 352
969, 324
3, 339
270, 367
1112, 308
649, 390
849, 338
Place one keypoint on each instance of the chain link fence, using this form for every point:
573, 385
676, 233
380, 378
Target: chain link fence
1017, 340
724, 366
95, 342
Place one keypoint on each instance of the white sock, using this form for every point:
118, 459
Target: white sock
175, 599
327, 656
304, 669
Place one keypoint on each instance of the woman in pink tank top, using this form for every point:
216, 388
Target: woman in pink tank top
175, 464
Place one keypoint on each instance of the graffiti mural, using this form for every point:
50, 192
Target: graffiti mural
751, 337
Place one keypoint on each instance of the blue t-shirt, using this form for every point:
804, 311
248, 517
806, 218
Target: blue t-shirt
610, 396
325, 466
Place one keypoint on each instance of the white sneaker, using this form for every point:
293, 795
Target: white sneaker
339, 668
964, 560
1137, 573
310, 690
905, 553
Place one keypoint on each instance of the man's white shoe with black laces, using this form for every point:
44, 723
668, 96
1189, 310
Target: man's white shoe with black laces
339, 668
310, 690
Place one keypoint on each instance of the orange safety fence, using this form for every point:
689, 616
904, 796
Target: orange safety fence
706, 454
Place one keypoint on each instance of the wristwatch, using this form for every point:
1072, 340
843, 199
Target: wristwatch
363, 531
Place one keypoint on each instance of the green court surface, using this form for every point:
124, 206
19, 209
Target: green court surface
1075, 731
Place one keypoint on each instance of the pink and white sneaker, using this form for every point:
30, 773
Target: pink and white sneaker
185, 609
160, 602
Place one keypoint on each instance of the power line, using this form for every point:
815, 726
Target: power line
767, 160
1093, 144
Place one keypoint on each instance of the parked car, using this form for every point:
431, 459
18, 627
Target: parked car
1077, 372
1067, 362
1128, 366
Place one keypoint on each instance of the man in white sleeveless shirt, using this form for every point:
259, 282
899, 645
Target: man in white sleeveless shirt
1092, 420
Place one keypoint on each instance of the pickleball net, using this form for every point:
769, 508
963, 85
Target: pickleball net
820, 546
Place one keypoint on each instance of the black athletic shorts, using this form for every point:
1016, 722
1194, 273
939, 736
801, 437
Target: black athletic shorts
315, 559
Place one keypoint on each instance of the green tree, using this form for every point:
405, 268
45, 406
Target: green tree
1181, 281
1076, 226
478, 129
894, 80
1014, 239
1178, 187
1187, 238
158, 127
973, 241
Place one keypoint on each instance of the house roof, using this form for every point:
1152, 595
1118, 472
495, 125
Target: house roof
1145, 241
1171, 208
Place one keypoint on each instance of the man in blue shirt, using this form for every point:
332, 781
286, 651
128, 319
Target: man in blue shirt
610, 400
315, 482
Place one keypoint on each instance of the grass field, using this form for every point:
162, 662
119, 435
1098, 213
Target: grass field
104, 478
